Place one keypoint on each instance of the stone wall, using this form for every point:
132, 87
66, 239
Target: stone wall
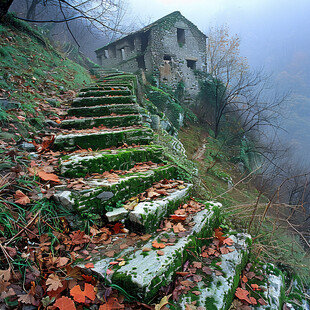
175, 61
170, 50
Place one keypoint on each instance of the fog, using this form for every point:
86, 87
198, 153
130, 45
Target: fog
275, 35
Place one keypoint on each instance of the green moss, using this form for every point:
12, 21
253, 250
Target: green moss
87, 201
151, 220
117, 121
102, 140
93, 101
100, 93
123, 159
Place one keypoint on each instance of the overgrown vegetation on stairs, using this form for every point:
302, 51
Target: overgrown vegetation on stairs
123, 229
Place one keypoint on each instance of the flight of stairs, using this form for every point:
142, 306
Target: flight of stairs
103, 135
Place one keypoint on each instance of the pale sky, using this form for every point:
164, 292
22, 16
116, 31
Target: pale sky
266, 27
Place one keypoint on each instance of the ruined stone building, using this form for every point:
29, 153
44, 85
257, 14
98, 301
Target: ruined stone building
170, 49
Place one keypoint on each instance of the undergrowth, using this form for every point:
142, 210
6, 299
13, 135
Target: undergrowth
31, 70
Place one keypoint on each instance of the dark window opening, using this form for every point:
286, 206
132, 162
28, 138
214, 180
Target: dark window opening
191, 64
131, 44
144, 41
112, 51
181, 36
141, 62
123, 55
167, 57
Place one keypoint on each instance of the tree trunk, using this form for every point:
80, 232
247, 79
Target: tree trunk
4, 7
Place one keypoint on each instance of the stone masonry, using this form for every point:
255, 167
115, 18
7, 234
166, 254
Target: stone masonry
170, 49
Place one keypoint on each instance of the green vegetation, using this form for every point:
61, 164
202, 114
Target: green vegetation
31, 70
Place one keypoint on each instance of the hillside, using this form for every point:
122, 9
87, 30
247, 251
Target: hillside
100, 211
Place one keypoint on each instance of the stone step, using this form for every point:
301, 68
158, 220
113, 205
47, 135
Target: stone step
147, 215
107, 121
273, 289
217, 291
103, 139
94, 101
102, 110
144, 273
78, 165
119, 86
103, 93
102, 195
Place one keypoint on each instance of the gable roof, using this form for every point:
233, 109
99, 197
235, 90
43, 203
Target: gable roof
173, 15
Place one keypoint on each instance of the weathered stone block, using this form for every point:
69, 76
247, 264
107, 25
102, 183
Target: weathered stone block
127, 186
78, 165
93, 101
107, 121
102, 110
103, 93
219, 292
103, 139
147, 215
144, 274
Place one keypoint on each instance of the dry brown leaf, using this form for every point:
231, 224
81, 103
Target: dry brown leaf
21, 198
48, 176
53, 282
65, 303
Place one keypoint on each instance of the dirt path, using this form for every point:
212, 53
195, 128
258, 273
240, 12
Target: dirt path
199, 154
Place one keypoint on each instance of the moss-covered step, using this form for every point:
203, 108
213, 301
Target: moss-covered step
78, 165
95, 87
103, 139
93, 101
102, 110
298, 298
147, 215
104, 195
146, 272
273, 290
100, 93
107, 121
218, 292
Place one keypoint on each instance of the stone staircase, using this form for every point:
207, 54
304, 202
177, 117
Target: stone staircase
107, 144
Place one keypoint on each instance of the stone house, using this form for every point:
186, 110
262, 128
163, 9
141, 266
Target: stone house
170, 49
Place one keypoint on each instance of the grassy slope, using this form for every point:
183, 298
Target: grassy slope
273, 241
31, 70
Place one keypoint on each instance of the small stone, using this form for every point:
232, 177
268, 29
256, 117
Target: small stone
104, 196
28, 147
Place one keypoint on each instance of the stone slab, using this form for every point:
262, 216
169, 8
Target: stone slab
147, 215
93, 101
107, 121
219, 292
78, 165
273, 289
88, 200
102, 110
100, 93
103, 139
145, 273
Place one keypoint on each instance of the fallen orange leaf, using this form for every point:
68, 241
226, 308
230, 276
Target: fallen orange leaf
65, 303
89, 265
157, 245
79, 295
48, 176
243, 295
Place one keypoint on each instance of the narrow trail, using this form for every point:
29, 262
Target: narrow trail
199, 154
